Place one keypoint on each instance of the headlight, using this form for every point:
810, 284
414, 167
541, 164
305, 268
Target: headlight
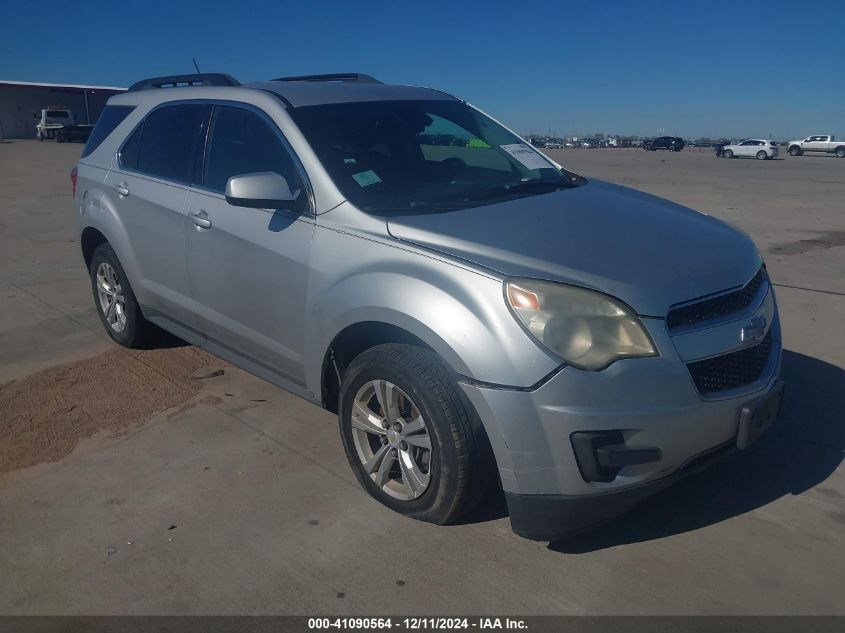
585, 328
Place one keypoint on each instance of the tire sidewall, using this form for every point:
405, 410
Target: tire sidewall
130, 334
375, 365
729, 153
763, 157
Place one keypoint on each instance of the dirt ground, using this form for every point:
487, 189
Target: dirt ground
46, 414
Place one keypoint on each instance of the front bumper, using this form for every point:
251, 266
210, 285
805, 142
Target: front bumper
556, 517
648, 402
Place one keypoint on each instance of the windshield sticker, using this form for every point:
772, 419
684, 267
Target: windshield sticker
366, 178
526, 156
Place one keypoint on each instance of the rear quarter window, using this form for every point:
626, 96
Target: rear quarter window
111, 117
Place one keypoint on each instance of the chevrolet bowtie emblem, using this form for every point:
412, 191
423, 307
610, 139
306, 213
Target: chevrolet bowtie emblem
753, 330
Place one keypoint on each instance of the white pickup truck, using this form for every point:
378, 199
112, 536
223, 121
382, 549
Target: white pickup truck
59, 122
818, 143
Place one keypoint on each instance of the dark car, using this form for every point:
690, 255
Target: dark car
672, 143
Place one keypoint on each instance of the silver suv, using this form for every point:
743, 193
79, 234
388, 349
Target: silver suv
475, 314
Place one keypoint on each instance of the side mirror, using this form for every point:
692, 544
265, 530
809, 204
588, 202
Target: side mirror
263, 190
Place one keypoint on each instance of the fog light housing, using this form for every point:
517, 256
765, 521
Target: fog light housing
600, 455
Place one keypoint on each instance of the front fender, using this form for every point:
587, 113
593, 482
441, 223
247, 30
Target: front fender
458, 312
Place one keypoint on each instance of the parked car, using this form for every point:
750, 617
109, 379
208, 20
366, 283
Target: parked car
471, 312
672, 143
553, 145
59, 122
825, 143
761, 149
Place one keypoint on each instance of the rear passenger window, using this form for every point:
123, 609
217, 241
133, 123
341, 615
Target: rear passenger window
242, 142
111, 117
167, 142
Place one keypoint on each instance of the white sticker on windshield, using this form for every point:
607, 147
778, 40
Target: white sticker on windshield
366, 178
526, 156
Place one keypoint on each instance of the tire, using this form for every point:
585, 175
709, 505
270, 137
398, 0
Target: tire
761, 155
795, 151
40, 138
840, 152
131, 329
457, 468
729, 153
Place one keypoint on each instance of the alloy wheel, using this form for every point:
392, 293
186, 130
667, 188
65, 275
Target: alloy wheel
110, 295
392, 440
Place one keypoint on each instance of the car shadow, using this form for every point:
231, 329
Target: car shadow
802, 449
162, 339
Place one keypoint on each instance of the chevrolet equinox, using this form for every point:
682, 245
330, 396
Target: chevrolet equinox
474, 314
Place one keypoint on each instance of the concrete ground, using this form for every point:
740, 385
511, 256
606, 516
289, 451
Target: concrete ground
244, 503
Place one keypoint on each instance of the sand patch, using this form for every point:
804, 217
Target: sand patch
45, 415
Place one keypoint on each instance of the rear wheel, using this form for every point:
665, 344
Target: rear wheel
729, 153
761, 155
116, 303
413, 441
795, 151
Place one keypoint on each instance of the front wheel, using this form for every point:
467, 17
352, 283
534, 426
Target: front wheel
761, 155
840, 152
412, 439
729, 153
795, 151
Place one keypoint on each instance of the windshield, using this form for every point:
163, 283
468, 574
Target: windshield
423, 155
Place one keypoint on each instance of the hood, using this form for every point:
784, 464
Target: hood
646, 251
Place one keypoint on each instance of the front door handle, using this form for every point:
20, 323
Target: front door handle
122, 189
201, 219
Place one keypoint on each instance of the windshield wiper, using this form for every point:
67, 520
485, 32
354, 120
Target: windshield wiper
525, 186
545, 185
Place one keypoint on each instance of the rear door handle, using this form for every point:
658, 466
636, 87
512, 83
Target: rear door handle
122, 189
201, 219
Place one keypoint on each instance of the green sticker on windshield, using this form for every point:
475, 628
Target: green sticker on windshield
366, 178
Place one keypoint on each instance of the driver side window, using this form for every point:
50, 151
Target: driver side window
242, 142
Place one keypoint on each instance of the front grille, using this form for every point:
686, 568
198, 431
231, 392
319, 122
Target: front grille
733, 370
716, 307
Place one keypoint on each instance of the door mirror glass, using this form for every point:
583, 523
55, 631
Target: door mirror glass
262, 190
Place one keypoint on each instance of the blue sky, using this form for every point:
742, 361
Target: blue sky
738, 68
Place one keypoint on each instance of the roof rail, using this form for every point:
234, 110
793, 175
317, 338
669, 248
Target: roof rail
359, 77
178, 81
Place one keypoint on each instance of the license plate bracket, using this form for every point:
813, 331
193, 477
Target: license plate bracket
757, 416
